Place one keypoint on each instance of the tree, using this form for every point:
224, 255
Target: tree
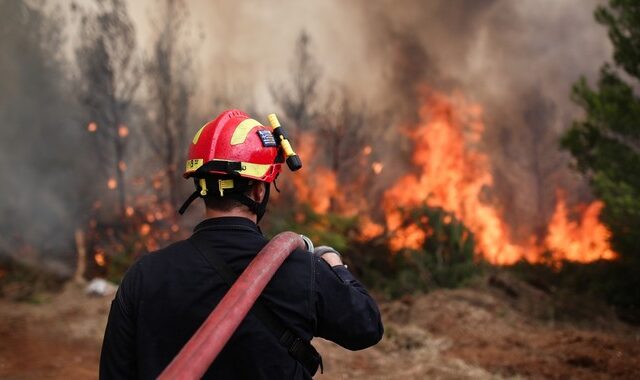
170, 91
109, 77
298, 101
345, 132
606, 146
606, 142
341, 131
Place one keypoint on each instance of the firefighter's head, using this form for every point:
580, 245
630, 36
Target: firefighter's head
233, 160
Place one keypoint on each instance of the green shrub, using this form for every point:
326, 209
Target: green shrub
446, 259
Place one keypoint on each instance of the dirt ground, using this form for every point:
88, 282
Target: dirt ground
495, 330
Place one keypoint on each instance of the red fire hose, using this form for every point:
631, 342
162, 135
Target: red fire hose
201, 350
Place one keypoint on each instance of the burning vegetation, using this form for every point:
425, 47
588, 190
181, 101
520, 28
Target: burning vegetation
454, 174
448, 177
449, 171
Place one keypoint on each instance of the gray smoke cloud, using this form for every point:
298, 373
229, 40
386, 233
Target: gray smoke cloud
43, 154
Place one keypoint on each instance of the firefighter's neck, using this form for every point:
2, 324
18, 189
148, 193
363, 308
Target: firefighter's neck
242, 212
257, 193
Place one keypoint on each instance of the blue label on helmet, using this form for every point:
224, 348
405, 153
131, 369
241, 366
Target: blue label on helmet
267, 138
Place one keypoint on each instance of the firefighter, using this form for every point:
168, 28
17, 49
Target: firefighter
165, 296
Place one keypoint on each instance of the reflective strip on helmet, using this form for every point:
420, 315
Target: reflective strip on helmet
194, 164
254, 170
242, 131
247, 168
197, 136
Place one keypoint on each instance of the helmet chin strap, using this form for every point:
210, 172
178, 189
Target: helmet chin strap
257, 208
189, 200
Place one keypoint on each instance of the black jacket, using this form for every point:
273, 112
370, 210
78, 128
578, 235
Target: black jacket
165, 296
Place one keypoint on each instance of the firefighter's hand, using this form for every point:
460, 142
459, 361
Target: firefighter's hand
328, 254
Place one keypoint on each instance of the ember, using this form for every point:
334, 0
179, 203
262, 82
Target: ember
377, 167
145, 229
123, 131
99, 258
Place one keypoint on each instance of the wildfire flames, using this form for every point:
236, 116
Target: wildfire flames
315, 189
453, 174
582, 241
149, 222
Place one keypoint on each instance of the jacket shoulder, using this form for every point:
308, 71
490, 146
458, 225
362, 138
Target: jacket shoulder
167, 253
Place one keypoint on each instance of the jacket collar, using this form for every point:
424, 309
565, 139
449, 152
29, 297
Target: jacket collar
227, 221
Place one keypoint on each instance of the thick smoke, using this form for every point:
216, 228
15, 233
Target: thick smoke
42, 159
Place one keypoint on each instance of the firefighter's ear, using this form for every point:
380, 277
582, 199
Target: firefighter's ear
258, 191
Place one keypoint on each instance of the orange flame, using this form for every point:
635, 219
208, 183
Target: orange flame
369, 229
454, 174
411, 237
317, 187
112, 183
583, 241
92, 127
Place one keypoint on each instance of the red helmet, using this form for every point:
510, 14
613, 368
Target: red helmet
235, 144
231, 146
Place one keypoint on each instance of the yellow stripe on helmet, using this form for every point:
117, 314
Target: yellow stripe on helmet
242, 131
254, 170
197, 136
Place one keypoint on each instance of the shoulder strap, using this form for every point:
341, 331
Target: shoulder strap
300, 349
